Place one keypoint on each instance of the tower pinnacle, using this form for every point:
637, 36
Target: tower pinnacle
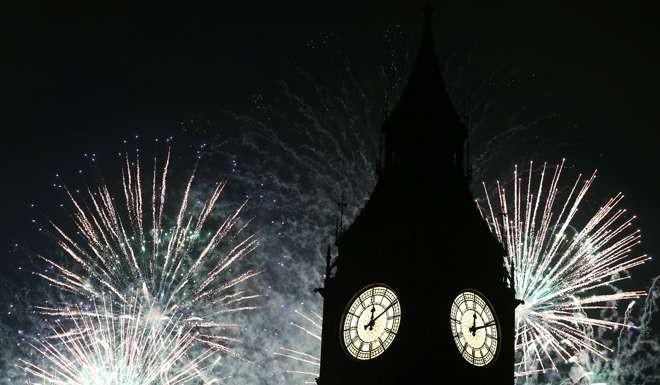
428, 11
438, 135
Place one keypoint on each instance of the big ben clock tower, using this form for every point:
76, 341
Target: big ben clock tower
420, 293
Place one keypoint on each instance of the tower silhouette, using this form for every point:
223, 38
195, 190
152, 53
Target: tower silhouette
418, 243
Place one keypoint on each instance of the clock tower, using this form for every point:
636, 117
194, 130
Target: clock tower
420, 293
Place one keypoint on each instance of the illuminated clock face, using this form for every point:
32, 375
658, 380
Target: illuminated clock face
371, 322
475, 328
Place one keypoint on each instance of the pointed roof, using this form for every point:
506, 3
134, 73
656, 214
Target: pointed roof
425, 100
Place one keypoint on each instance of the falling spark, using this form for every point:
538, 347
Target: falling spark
106, 344
559, 275
177, 268
310, 324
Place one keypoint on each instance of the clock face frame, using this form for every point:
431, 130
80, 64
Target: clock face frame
370, 322
475, 328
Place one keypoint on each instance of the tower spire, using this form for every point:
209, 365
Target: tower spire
438, 136
428, 14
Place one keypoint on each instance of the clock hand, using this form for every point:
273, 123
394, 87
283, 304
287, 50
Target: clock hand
474, 329
485, 325
384, 311
371, 320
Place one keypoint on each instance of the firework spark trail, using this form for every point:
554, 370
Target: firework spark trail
297, 153
110, 344
177, 269
637, 354
311, 325
560, 277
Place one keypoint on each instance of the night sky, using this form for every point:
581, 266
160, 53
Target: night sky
578, 81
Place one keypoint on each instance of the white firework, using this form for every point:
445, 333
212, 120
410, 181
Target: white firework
311, 325
106, 344
176, 267
561, 270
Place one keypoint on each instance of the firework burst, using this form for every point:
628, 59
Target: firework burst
311, 325
561, 270
106, 344
178, 269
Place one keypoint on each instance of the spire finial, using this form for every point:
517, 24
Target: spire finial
427, 31
428, 10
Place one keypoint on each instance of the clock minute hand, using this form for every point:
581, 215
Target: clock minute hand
384, 311
473, 329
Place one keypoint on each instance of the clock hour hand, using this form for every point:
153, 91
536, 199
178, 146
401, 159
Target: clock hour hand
370, 325
474, 323
386, 309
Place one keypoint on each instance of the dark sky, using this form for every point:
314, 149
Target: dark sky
78, 78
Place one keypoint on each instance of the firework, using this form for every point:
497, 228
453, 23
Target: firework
311, 325
561, 270
178, 269
106, 344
